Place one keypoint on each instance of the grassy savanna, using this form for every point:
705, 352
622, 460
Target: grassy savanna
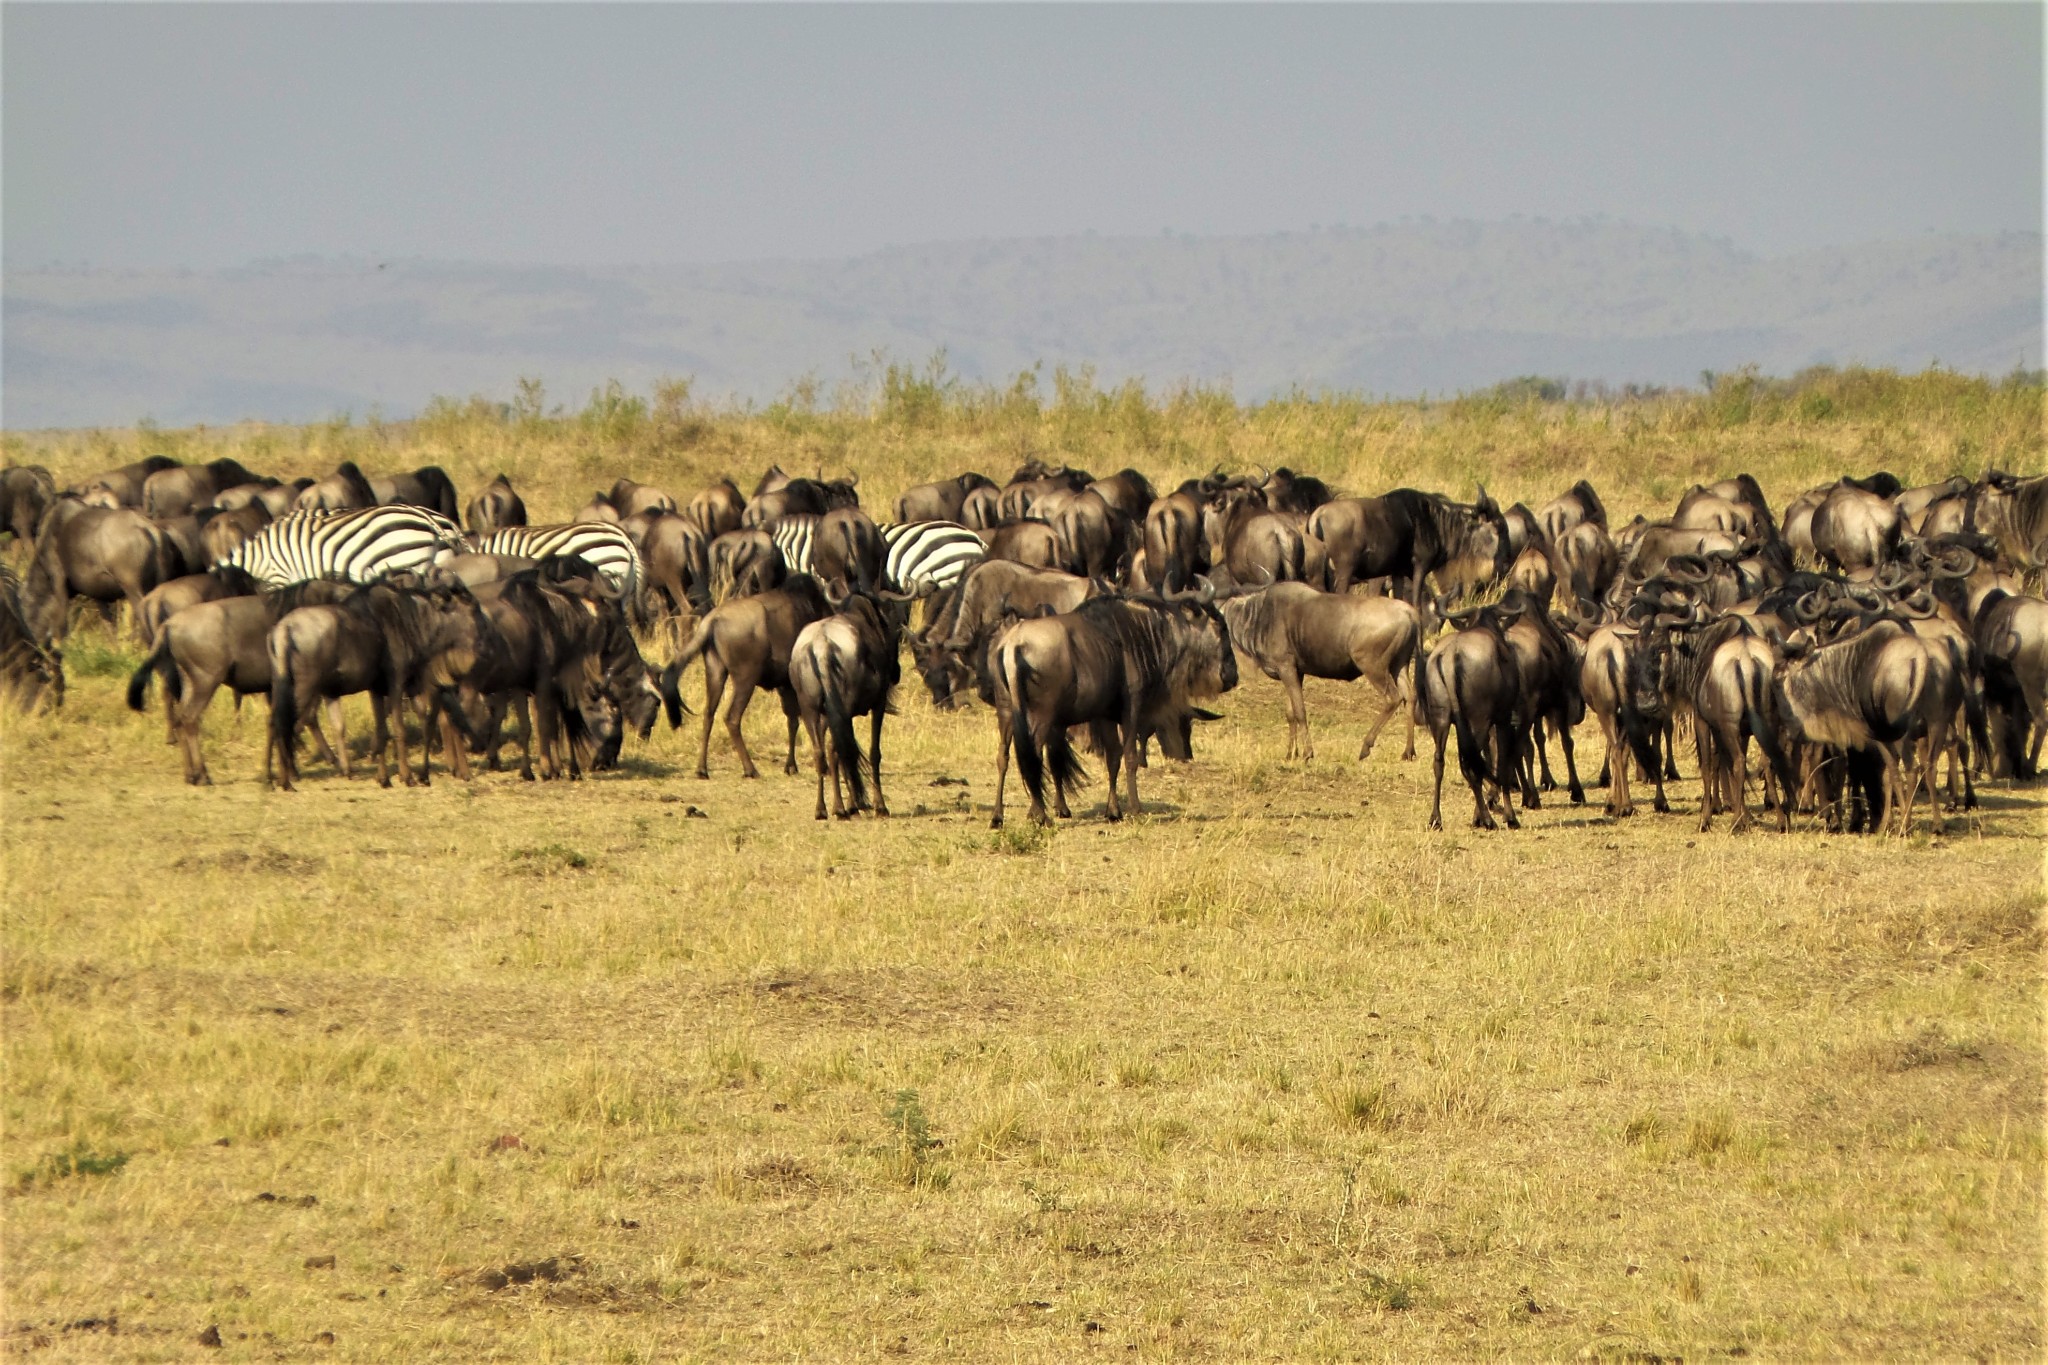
646, 1067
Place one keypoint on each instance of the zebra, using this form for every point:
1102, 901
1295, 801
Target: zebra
939, 553
606, 548
353, 547
795, 535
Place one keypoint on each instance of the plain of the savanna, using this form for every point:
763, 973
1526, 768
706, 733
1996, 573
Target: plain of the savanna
647, 1067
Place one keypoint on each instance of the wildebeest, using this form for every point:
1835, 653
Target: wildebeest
1032, 543
1603, 686
1585, 561
1577, 506
124, 484
1549, 671
1470, 681
224, 642
676, 560
272, 496
345, 490
717, 509
172, 596
747, 640
1036, 483
474, 570
28, 667
183, 489
847, 548
842, 666
1855, 531
1250, 541
385, 640
1176, 550
1294, 631
1293, 494
952, 654
26, 492
1128, 492
628, 497
1733, 673
981, 509
498, 506
428, 486
221, 533
108, 554
744, 563
945, 500
1878, 693
1124, 667
1094, 533
1406, 536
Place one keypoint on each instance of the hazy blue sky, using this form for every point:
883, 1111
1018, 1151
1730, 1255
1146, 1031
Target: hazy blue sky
206, 136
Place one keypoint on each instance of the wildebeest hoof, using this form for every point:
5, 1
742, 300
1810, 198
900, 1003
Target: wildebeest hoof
1578, 796
996, 823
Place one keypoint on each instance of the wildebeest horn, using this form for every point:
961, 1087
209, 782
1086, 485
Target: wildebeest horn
1808, 608
1865, 595
1205, 593
1956, 561
1690, 568
1918, 607
1462, 617
1265, 477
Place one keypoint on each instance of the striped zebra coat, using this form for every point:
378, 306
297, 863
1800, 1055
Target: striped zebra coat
601, 544
797, 537
353, 547
937, 553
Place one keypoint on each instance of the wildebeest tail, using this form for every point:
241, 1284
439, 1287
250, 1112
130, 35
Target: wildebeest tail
1012, 677
1471, 742
1756, 715
284, 711
159, 662
839, 722
671, 696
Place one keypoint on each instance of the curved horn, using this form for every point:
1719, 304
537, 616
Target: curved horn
1808, 608
1955, 561
1918, 607
1265, 477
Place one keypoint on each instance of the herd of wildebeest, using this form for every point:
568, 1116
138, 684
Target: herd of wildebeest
1860, 637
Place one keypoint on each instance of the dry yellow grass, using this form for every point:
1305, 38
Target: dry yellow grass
1270, 1072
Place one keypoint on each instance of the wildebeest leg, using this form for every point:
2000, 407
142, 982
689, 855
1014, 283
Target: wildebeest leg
457, 748
735, 717
1002, 763
1505, 737
337, 753
1897, 792
1619, 803
1571, 763
380, 738
714, 688
1736, 776
1436, 806
1386, 687
875, 757
1129, 738
815, 724
548, 722
1549, 782
198, 695
1670, 751
525, 738
1523, 771
1297, 714
789, 715
1710, 773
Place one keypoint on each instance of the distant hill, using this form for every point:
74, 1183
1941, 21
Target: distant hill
1399, 309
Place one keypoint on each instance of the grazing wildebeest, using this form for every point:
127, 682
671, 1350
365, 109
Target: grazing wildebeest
1915, 503
345, 490
1124, 667
184, 489
1586, 563
28, 667
125, 483
26, 492
224, 642
1175, 548
1294, 631
221, 533
748, 640
1854, 530
1577, 506
598, 509
498, 506
717, 509
1877, 694
1471, 682
1406, 536
945, 500
389, 641
1128, 492
107, 554
1032, 543
848, 549
744, 563
841, 666
1094, 534
628, 497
